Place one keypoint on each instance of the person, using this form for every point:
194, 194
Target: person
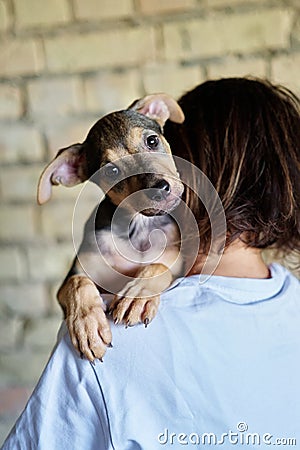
220, 364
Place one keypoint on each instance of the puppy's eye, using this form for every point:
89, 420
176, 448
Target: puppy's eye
111, 171
152, 141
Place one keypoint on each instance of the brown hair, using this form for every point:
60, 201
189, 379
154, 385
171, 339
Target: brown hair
244, 134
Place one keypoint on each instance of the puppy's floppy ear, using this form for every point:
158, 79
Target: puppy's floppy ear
68, 168
159, 107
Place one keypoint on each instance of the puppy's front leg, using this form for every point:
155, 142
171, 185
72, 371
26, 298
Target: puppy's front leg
138, 301
85, 316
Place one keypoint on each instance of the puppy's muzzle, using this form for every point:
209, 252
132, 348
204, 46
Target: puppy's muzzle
159, 192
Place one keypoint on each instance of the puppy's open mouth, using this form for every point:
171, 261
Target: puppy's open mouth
153, 212
161, 208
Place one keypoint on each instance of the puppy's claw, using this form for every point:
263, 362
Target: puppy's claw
146, 322
110, 345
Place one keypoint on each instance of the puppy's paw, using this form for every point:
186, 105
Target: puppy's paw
135, 304
90, 332
86, 320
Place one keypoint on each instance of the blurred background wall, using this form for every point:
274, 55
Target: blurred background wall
63, 64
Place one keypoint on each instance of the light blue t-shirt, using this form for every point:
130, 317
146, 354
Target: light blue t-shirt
219, 367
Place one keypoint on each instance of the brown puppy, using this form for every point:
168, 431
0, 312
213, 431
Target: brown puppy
124, 153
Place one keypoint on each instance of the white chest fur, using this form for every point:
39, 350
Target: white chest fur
122, 250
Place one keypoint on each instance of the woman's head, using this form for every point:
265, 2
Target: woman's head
244, 134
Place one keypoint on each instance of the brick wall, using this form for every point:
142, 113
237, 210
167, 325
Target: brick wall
64, 63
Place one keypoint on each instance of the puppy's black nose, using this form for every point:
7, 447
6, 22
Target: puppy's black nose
159, 191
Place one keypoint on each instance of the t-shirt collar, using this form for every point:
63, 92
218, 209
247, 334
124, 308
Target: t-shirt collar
237, 290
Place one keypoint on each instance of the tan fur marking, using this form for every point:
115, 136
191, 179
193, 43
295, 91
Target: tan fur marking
135, 140
139, 300
86, 320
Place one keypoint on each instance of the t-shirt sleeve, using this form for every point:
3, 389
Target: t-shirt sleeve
66, 410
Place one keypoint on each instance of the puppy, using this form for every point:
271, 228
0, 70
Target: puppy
126, 154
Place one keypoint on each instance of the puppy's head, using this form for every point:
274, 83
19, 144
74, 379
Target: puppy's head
124, 152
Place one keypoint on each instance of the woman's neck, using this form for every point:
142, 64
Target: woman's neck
237, 261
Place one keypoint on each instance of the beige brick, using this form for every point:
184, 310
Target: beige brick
109, 91
89, 198
55, 97
7, 423
20, 143
235, 67
11, 264
285, 70
57, 218
161, 6
80, 52
10, 102
20, 57
17, 223
31, 13
10, 329
229, 3
48, 263
19, 183
92, 9
25, 300
55, 307
22, 366
4, 16
296, 29
42, 333
170, 78
219, 35
63, 134
13, 399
